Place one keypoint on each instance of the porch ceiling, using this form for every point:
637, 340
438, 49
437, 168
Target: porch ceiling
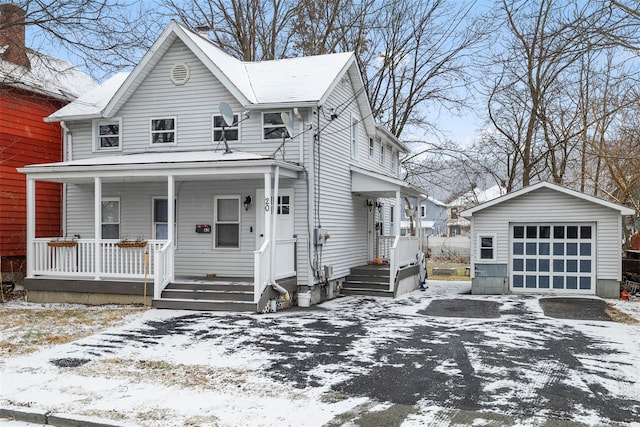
146, 167
378, 185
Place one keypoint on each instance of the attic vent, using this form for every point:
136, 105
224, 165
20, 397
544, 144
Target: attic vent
180, 74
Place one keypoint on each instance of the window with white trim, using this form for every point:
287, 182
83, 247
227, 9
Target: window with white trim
110, 218
354, 137
161, 219
486, 247
108, 134
423, 211
394, 160
382, 155
273, 127
230, 132
284, 205
226, 219
371, 147
163, 131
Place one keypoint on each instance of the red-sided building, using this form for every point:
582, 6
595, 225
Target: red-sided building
32, 86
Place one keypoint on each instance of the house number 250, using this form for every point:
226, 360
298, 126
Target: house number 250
266, 204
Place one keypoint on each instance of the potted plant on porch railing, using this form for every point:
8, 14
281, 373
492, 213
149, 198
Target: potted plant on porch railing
62, 243
140, 242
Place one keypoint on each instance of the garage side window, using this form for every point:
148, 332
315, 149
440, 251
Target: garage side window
487, 248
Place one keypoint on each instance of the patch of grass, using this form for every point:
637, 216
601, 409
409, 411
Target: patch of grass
25, 330
460, 271
618, 316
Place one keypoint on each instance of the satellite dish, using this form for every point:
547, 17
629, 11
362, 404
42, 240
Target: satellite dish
288, 123
226, 112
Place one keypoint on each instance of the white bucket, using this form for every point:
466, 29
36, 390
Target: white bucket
304, 299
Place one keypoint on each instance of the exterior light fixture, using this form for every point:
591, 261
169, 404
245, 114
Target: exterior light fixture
247, 203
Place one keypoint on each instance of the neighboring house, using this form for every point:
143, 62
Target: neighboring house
32, 86
432, 215
546, 239
224, 229
456, 224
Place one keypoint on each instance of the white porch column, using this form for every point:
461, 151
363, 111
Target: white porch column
268, 209
171, 189
274, 221
396, 214
97, 226
31, 224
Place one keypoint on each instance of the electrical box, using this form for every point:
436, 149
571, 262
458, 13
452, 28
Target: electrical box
328, 272
320, 236
203, 228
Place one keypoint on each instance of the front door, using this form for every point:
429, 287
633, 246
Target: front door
285, 263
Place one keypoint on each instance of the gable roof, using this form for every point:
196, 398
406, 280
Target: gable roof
256, 85
47, 76
624, 210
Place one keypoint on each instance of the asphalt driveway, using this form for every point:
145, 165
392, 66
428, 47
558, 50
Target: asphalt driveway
439, 357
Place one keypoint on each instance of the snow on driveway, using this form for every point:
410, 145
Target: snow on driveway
440, 357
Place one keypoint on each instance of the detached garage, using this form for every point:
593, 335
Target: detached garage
546, 238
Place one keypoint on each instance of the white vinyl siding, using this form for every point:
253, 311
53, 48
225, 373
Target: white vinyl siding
353, 137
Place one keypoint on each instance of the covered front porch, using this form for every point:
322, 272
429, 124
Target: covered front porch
226, 230
397, 258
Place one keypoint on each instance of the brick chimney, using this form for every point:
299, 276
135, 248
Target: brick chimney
12, 35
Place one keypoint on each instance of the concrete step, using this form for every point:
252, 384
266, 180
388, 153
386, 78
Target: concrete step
209, 295
371, 270
367, 292
188, 304
359, 278
366, 285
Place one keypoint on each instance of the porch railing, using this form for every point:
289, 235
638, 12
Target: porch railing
78, 258
385, 243
260, 270
162, 273
285, 258
403, 252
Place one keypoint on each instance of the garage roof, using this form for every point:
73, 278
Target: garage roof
624, 210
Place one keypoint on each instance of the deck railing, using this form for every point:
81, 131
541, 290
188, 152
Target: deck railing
285, 254
403, 252
57, 257
163, 269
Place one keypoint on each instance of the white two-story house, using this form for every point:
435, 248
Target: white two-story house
211, 183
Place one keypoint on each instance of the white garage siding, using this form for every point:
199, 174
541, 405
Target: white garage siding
545, 205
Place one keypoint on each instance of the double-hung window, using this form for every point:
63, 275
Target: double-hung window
382, 154
371, 147
273, 127
163, 131
486, 247
108, 134
231, 133
110, 218
226, 218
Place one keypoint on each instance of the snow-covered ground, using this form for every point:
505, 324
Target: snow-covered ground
350, 361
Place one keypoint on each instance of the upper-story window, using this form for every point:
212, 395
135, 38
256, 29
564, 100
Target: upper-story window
273, 127
371, 147
354, 137
423, 211
163, 130
382, 154
108, 134
394, 160
232, 132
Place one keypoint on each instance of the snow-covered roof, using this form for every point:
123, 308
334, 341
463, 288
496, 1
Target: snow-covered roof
624, 210
264, 84
476, 197
47, 76
436, 202
91, 103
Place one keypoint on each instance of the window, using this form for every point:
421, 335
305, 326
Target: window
382, 159
392, 218
226, 218
273, 127
487, 247
163, 131
284, 205
354, 137
394, 160
423, 211
230, 132
110, 218
108, 134
371, 147
161, 219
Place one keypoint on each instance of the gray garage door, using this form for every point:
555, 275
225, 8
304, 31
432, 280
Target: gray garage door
553, 258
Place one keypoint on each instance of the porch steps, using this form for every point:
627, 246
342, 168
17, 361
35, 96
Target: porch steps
207, 296
371, 280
